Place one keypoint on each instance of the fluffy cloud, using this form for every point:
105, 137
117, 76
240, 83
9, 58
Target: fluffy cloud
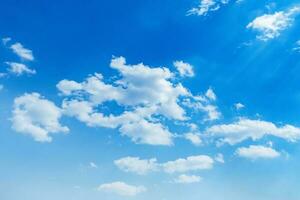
146, 94
255, 152
185, 179
191, 163
22, 52
36, 116
19, 69
136, 165
252, 129
207, 6
139, 166
122, 188
270, 26
184, 69
194, 138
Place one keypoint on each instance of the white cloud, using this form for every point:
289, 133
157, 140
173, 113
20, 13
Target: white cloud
191, 163
207, 6
270, 26
144, 132
121, 188
184, 69
239, 106
144, 166
252, 129
210, 94
19, 69
136, 165
147, 94
22, 52
193, 138
219, 158
36, 116
185, 179
255, 152
93, 165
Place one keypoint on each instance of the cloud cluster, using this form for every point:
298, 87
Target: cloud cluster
18, 68
270, 26
147, 95
36, 116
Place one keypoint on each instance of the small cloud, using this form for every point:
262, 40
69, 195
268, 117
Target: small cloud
297, 47
121, 188
254, 152
219, 158
193, 138
207, 6
93, 165
22, 52
186, 179
19, 69
210, 94
184, 69
6, 40
239, 106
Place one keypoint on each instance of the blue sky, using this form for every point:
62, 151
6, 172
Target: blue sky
109, 100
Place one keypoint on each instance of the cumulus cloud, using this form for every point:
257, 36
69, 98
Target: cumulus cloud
270, 26
184, 69
19, 69
140, 166
206, 6
185, 179
254, 152
121, 188
146, 94
136, 165
22, 52
245, 129
36, 116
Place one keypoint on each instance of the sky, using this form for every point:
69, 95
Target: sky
153, 99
